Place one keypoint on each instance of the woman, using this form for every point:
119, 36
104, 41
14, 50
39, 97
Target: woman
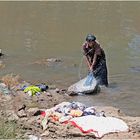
95, 58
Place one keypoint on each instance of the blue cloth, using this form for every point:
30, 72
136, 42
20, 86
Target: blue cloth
89, 79
24, 86
43, 87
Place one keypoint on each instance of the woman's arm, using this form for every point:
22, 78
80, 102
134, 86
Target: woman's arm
88, 62
92, 67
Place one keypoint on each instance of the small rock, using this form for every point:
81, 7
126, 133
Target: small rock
54, 60
11, 115
33, 110
52, 129
63, 91
57, 90
120, 113
70, 93
46, 133
32, 137
27, 134
23, 119
21, 114
48, 94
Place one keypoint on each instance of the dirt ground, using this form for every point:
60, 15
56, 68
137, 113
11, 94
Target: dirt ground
18, 112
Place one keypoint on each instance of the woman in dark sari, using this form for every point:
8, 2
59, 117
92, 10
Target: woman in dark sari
95, 58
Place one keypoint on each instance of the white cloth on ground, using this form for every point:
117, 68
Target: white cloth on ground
99, 125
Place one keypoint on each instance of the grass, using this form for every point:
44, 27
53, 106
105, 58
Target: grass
11, 80
7, 129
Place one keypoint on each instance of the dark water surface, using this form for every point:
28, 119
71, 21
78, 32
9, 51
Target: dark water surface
31, 31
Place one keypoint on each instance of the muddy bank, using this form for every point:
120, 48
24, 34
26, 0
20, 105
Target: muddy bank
20, 118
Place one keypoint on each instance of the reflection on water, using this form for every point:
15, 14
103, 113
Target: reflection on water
31, 31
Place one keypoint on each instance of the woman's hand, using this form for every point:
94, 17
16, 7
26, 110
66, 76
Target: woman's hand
91, 68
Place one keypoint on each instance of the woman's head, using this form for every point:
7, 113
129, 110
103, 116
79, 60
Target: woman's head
90, 39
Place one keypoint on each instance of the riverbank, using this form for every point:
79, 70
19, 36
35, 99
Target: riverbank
19, 117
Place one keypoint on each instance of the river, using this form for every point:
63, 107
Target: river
31, 31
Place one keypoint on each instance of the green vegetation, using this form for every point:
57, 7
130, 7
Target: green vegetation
7, 129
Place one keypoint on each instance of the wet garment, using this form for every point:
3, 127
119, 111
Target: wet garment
100, 68
100, 73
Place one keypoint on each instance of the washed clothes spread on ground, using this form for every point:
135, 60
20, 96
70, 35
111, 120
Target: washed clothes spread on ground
87, 119
99, 125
